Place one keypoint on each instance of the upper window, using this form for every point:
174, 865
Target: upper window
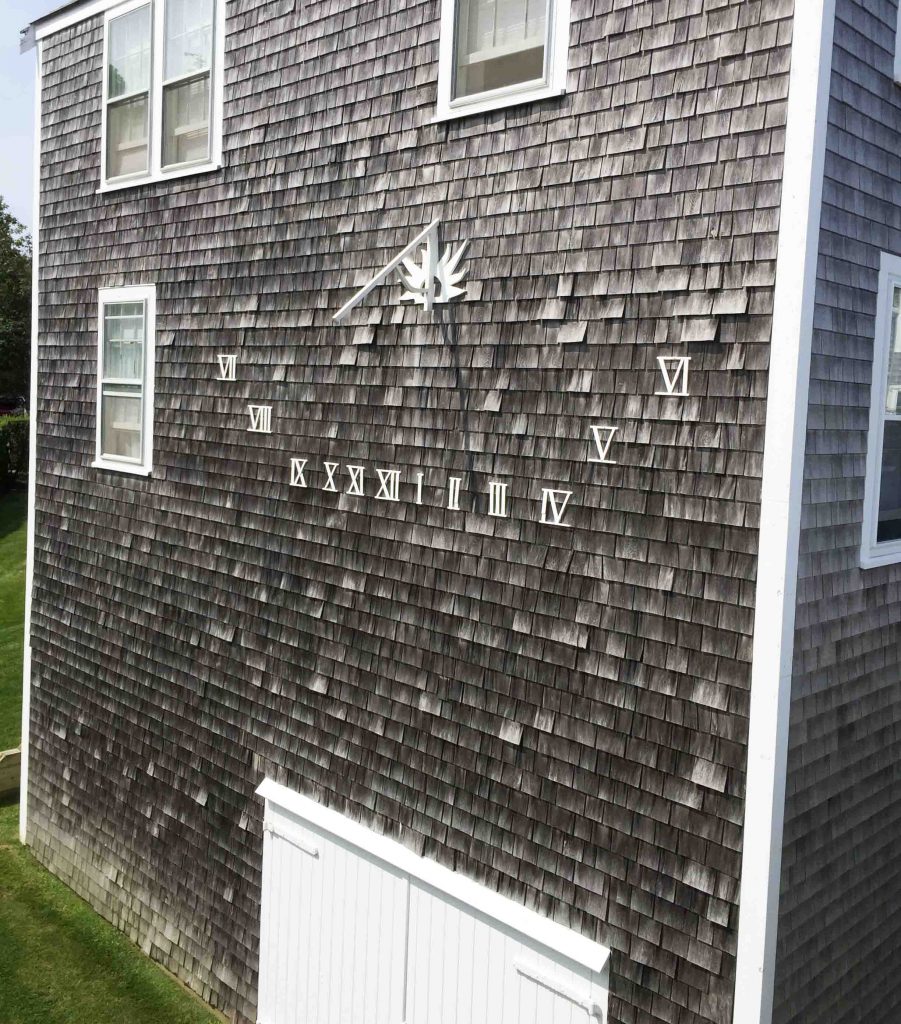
495, 53
162, 108
125, 379
882, 503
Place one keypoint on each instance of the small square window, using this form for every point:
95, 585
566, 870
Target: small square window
495, 53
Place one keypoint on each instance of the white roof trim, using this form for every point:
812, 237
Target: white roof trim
66, 16
533, 926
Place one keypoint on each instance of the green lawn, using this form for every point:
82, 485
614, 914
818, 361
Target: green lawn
62, 964
13, 513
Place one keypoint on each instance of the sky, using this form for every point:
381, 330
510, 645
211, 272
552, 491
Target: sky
17, 104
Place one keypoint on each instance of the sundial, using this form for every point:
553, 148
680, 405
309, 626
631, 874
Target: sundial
432, 275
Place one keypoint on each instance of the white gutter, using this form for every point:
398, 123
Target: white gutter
32, 451
780, 517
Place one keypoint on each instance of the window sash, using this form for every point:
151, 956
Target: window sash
155, 165
551, 82
116, 23
186, 129
493, 49
210, 56
106, 452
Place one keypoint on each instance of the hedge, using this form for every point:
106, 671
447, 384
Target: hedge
13, 450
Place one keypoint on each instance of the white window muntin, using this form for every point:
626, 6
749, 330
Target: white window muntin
552, 82
157, 170
126, 387
873, 551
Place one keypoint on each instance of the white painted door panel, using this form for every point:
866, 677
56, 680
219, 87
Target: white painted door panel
356, 929
465, 968
333, 940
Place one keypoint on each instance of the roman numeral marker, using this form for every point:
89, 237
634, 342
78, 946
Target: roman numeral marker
331, 468
453, 493
260, 419
553, 506
227, 365
603, 439
297, 468
356, 480
389, 484
497, 499
674, 370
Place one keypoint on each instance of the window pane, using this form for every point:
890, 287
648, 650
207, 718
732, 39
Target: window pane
120, 435
126, 138
890, 486
123, 341
129, 53
893, 389
499, 43
189, 37
186, 121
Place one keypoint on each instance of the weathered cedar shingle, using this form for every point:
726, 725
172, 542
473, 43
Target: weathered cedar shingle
561, 715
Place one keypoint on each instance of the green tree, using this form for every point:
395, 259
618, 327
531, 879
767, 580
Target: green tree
15, 306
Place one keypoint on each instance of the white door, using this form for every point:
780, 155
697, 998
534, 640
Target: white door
465, 968
333, 932
357, 929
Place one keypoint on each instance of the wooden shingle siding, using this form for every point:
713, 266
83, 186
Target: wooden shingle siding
560, 714
840, 917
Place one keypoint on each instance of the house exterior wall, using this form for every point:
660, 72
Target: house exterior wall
559, 713
840, 911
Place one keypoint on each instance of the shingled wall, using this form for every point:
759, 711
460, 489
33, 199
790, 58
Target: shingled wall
559, 713
840, 923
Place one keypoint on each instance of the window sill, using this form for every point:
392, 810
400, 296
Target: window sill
879, 555
477, 106
122, 467
152, 179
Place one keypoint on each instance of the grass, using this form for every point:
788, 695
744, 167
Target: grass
62, 964
13, 514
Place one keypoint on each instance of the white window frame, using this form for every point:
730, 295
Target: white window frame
157, 83
875, 553
108, 296
556, 66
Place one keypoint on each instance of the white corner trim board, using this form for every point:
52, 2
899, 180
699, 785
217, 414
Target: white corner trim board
780, 526
553, 936
32, 451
